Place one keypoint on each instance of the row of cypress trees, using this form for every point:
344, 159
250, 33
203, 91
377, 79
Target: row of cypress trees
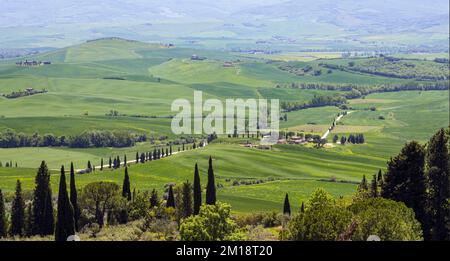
197, 190
39, 217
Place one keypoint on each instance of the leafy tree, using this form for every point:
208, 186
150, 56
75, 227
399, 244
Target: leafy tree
213, 223
43, 220
343, 140
74, 197
170, 199
18, 212
197, 191
286, 206
99, 197
210, 187
385, 218
3, 224
437, 158
142, 157
126, 189
405, 180
322, 220
65, 222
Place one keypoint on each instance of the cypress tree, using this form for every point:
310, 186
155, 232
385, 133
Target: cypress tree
43, 220
437, 159
154, 199
379, 176
137, 157
101, 164
302, 208
74, 197
65, 223
18, 212
286, 206
89, 165
363, 186
170, 149
186, 200
197, 191
2, 216
170, 199
405, 180
142, 157
125, 160
110, 162
167, 152
126, 190
210, 187
29, 220
374, 187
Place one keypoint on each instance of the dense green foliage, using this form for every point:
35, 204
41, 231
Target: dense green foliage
10, 139
213, 223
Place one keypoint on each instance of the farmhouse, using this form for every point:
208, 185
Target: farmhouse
195, 57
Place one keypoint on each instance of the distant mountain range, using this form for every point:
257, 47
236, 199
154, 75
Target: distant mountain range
233, 18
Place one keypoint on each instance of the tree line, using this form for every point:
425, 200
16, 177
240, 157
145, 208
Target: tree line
419, 177
88, 139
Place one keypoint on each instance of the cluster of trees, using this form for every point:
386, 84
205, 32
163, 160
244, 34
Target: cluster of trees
325, 218
397, 68
98, 200
316, 101
95, 138
357, 138
419, 177
21, 93
354, 91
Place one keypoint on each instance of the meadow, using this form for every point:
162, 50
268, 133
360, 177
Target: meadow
86, 81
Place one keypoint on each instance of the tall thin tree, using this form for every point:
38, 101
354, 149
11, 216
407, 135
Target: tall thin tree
74, 197
65, 223
286, 206
170, 198
126, 189
211, 186
437, 159
18, 212
43, 220
3, 228
197, 191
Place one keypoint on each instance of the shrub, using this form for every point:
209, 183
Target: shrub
213, 223
388, 219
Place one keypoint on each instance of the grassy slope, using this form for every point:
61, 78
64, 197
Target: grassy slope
76, 85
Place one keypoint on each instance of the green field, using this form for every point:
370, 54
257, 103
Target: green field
86, 81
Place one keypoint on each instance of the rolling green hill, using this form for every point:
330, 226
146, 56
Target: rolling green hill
86, 81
